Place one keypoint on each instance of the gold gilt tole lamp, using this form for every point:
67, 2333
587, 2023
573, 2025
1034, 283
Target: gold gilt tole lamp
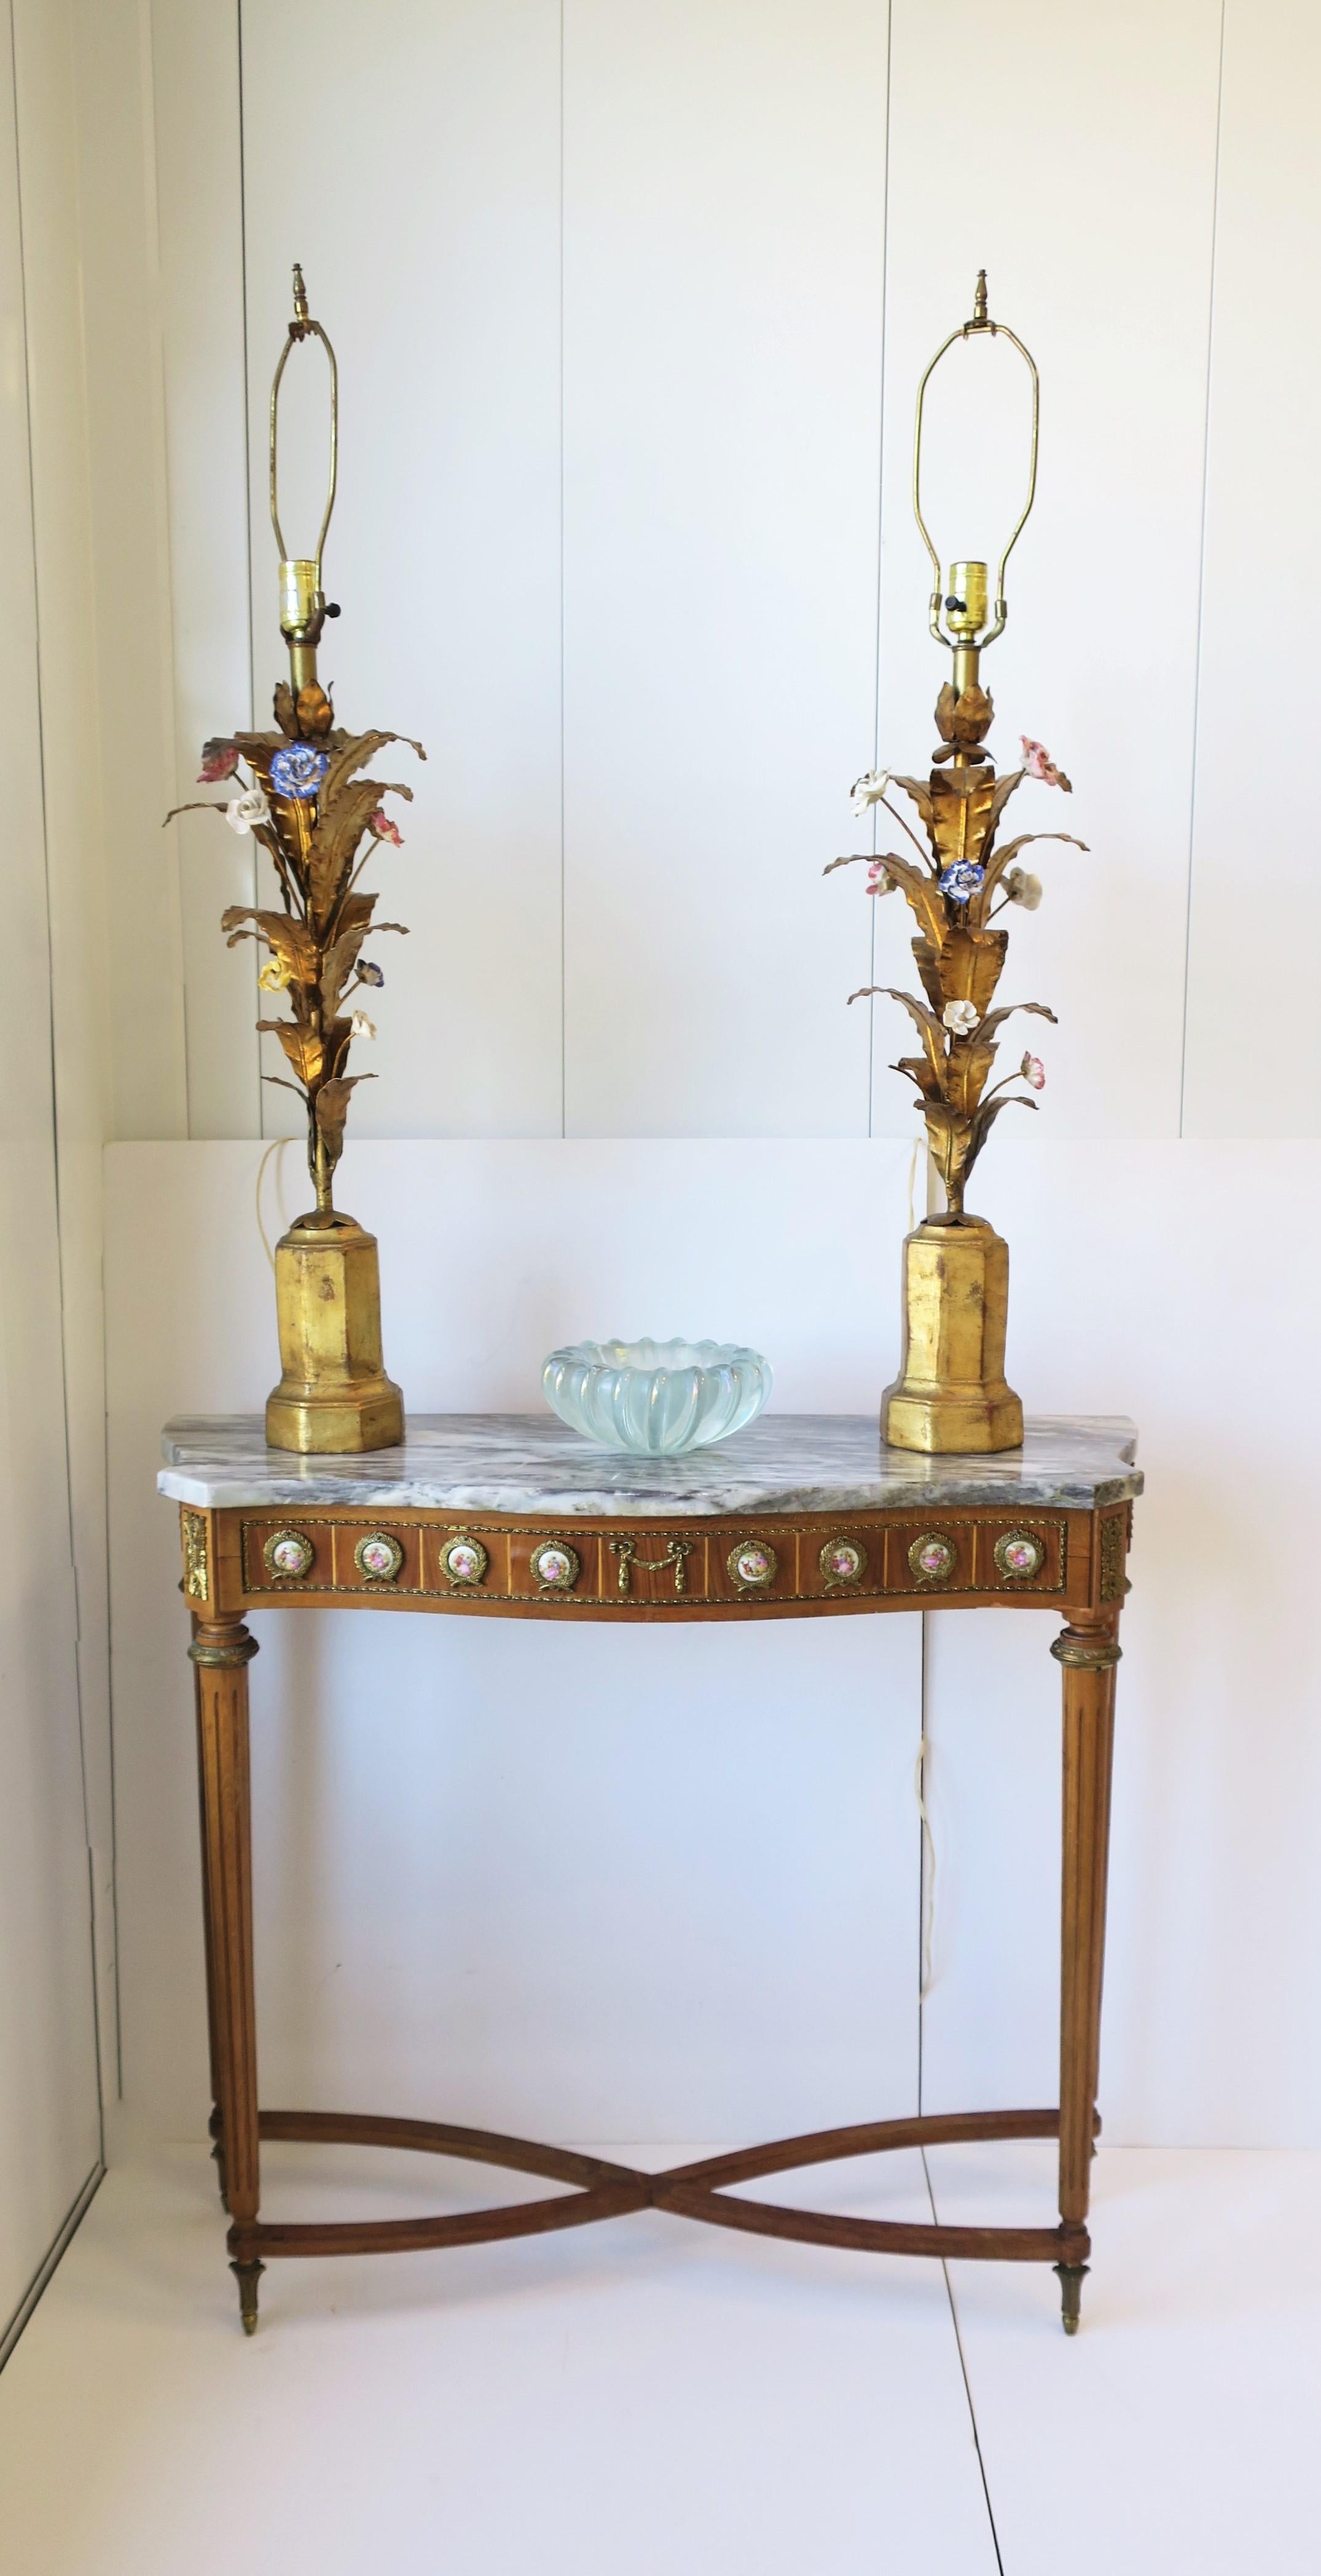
951, 1392
319, 823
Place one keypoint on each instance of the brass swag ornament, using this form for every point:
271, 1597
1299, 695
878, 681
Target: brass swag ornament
951, 1392
312, 813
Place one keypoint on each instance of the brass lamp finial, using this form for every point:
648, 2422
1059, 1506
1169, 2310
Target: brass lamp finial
304, 607
960, 601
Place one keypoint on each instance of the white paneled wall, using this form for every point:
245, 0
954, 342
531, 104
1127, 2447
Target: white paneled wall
1092, 136
50, 2130
724, 236
630, 305
1256, 894
445, 547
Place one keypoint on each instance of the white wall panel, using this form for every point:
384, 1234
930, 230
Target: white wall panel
1256, 733
1145, 1281
126, 583
1070, 152
412, 163
49, 2113
45, 63
638, 1885
198, 145
724, 176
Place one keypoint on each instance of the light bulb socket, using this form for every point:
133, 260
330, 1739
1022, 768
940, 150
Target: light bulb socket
302, 601
966, 600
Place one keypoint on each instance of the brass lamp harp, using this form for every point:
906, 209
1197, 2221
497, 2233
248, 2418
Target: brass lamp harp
304, 607
959, 602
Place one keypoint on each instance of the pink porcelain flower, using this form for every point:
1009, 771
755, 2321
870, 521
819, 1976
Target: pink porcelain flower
219, 760
879, 880
385, 830
1038, 764
1033, 1072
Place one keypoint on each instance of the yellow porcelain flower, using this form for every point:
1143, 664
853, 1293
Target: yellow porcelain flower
274, 976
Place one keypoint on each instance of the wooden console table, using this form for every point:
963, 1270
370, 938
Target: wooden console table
509, 1515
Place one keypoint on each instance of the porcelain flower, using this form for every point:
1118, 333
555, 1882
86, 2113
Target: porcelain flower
369, 973
297, 771
219, 760
960, 880
245, 810
868, 790
275, 976
879, 879
1018, 887
960, 1018
1033, 1072
1038, 764
361, 1027
384, 829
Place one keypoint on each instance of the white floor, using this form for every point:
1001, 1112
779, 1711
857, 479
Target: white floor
649, 2398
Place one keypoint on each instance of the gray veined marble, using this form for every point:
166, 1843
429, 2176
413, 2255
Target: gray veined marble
530, 1463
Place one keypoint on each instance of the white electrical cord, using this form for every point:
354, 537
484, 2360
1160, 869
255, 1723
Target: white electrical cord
276, 1148
928, 1924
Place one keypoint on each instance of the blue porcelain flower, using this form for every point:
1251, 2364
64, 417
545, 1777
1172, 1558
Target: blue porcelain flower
960, 880
298, 772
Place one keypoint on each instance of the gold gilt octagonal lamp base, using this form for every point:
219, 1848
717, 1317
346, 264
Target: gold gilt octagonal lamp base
951, 1392
333, 1395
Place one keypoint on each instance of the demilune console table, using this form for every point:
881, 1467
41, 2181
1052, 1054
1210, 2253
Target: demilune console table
491, 1516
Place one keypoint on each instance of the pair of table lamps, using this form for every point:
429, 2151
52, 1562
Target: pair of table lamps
320, 820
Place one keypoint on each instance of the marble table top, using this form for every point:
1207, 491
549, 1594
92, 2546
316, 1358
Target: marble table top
532, 1463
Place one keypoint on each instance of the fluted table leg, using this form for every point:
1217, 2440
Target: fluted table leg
221, 1651
1088, 1656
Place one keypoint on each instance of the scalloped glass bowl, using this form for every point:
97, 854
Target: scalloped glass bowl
656, 1398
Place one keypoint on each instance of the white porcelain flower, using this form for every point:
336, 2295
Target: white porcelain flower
1019, 887
868, 790
961, 1018
1033, 1072
361, 1027
1038, 764
245, 810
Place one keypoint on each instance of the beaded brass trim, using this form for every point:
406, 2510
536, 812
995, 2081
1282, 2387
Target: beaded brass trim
502, 1587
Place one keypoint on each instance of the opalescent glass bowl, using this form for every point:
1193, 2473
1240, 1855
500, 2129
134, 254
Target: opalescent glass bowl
656, 1398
